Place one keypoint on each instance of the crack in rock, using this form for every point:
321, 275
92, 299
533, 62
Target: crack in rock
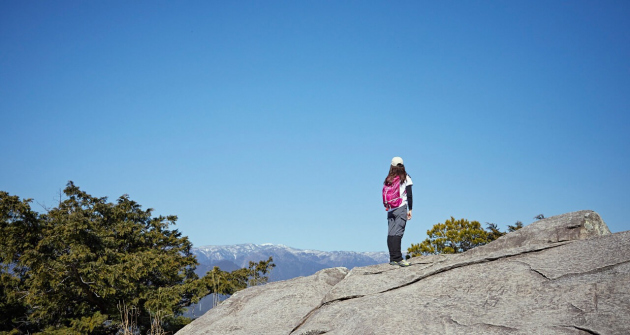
314, 332
533, 270
497, 326
540, 273
368, 273
578, 308
482, 324
573, 274
342, 299
304, 319
468, 263
320, 306
455, 321
596, 270
586, 330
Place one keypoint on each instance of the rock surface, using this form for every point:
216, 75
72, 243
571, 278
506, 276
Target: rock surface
562, 275
274, 308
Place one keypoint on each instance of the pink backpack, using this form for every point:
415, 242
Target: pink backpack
391, 194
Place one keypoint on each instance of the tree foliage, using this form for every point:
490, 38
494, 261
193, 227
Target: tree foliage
69, 270
493, 231
217, 281
456, 236
517, 225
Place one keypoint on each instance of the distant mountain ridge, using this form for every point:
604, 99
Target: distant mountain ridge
290, 262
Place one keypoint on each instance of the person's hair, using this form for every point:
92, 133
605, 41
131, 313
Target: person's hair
398, 170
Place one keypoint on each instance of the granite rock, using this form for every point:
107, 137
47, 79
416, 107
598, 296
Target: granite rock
274, 308
562, 275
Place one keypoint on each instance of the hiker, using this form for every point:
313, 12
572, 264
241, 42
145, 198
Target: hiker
398, 202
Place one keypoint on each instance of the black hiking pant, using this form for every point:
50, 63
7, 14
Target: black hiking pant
396, 222
393, 243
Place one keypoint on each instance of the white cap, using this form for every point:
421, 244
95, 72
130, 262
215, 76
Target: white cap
396, 161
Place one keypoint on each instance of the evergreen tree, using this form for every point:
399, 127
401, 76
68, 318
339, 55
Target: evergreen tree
451, 237
69, 271
493, 232
455, 236
517, 225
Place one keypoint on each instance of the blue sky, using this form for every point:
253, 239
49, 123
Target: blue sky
275, 122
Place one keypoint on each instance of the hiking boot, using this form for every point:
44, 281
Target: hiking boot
404, 263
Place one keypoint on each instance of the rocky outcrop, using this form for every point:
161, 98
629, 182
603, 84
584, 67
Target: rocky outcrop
562, 275
290, 263
274, 308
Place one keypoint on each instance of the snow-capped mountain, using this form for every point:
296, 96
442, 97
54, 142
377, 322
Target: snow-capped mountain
290, 262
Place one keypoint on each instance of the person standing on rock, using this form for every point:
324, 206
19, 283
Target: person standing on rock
398, 202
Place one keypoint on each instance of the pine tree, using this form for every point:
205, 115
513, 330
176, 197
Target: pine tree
69, 270
517, 225
493, 232
451, 237
455, 236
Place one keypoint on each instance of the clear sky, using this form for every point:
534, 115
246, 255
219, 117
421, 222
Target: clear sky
275, 122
